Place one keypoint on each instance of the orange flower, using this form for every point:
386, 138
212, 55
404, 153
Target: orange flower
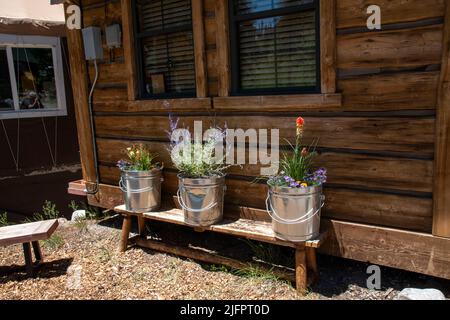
300, 122
304, 152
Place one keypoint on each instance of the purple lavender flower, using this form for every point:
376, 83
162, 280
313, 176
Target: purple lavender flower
122, 164
318, 177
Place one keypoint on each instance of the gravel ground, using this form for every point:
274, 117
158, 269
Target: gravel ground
82, 262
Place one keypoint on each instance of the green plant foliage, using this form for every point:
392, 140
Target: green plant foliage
139, 159
54, 242
4, 219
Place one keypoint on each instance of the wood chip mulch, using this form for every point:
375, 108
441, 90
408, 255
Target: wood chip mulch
85, 264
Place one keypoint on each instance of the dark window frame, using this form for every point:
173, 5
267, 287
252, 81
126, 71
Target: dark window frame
138, 36
235, 19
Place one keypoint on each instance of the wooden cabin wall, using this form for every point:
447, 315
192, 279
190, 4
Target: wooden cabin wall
378, 146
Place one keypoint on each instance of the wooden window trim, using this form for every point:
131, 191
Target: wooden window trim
198, 31
156, 105
235, 55
328, 97
291, 102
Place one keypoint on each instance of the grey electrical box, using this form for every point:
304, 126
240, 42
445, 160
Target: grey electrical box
92, 38
113, 36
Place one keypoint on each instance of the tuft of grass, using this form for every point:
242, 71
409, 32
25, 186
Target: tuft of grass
257, 273
104, 255
265, 252
4, 219
81, 224
250, 271
73, 205
54, 242
49, 211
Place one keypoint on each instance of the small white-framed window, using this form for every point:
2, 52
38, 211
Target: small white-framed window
31, 77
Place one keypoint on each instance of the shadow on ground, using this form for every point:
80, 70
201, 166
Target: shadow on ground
337, 275
46, 270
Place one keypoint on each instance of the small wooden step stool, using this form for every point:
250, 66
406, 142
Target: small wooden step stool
306, 271
29, 235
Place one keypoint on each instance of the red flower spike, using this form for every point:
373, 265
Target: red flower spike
300, 122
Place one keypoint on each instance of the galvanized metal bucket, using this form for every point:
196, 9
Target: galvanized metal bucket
201, 199
141, 190
295, 212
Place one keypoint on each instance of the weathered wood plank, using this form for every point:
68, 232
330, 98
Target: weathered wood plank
367, 171
412, 251
114, 93
403, 48
222, 47
278, 103
128, 48
385, 92
441, 215
250, 229
109, 73
198, 30
391, 210
353, 13
328, 45
402, 134
27, 232
154, 105
80, 92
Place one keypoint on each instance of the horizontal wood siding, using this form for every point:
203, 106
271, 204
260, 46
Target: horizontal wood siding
378, 143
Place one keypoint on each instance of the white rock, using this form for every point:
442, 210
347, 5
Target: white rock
420, 294
78, 215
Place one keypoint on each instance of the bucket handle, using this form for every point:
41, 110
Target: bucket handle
185, 207
123, 187
273, 214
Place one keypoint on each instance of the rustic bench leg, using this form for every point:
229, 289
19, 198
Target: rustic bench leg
37, 252
28, 258
301, 274
311, 264
141, 225
125, 233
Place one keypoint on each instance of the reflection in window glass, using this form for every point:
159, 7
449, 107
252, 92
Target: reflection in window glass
252, 6
6, 100
35, 76
278, 52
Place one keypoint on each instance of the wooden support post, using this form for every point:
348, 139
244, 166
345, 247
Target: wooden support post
28, 258
128, 49
301, 275
37, 252
141, 225
79, 71
198, 29
126, 226
441, 199
328, 45
223, 48
311, 264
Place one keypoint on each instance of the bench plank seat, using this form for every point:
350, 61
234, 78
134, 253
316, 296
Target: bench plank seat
250, 229
27, 232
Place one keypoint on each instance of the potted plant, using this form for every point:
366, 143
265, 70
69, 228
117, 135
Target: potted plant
295, 199
140, 180
201, 178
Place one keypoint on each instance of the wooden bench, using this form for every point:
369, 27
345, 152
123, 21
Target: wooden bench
305, 252
29, 235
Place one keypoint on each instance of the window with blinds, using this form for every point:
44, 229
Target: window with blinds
275, 46
166, 48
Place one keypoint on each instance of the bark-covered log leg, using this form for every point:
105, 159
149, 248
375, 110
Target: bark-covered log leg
301, 273
125, 233
311, 264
